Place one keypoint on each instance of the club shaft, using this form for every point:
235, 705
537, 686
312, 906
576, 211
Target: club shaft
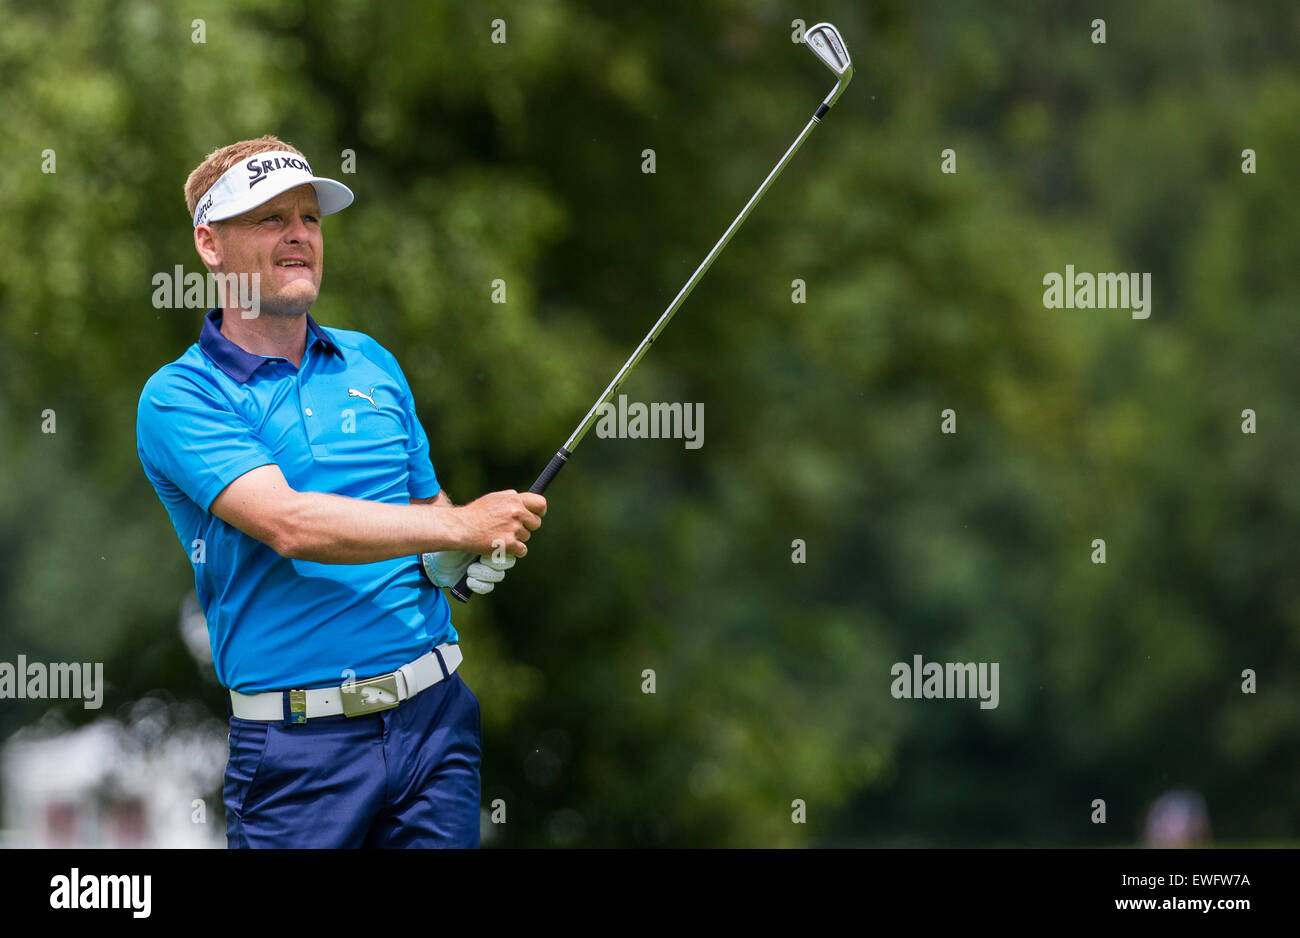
685, 291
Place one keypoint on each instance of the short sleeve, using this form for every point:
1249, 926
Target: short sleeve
190, 436
422, 481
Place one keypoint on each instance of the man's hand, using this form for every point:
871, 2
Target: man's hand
446, 567
500, 519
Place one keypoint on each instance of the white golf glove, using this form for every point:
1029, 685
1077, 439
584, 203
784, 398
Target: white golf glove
446, 567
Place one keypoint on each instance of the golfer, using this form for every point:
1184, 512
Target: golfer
298, 478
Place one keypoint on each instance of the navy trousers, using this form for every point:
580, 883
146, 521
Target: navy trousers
405, 777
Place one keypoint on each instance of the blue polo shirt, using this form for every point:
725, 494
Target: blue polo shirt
344, 422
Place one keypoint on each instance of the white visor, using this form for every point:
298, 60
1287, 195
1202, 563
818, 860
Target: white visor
261, 178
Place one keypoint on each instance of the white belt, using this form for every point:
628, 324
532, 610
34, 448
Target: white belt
357, 698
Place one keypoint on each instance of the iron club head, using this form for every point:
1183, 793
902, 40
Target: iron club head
825, 40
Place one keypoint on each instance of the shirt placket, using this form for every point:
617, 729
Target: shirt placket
307, 406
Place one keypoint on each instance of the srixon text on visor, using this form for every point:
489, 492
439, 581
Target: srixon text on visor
260, 169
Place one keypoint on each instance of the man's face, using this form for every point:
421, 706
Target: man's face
280, 240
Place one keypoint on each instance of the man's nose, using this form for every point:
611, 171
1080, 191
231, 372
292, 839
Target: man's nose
297, 230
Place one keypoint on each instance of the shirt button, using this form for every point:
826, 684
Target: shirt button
308, 411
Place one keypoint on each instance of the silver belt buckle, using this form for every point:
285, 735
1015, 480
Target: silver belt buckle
371, 696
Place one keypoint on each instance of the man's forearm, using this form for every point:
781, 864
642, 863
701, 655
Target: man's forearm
442, 498
335, 529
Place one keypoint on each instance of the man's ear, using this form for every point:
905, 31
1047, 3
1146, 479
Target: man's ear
205, 242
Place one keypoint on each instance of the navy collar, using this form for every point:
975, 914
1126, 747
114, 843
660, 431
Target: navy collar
240, 363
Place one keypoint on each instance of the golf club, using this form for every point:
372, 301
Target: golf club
825, 40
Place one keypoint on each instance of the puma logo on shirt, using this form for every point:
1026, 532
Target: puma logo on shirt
353, 392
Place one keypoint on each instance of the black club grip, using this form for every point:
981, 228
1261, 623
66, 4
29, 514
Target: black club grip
550, 472
461, 590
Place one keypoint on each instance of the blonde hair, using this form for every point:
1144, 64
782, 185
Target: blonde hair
218, 161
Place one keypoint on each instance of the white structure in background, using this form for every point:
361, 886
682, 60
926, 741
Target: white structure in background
194, 633
145, 783
152, 781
